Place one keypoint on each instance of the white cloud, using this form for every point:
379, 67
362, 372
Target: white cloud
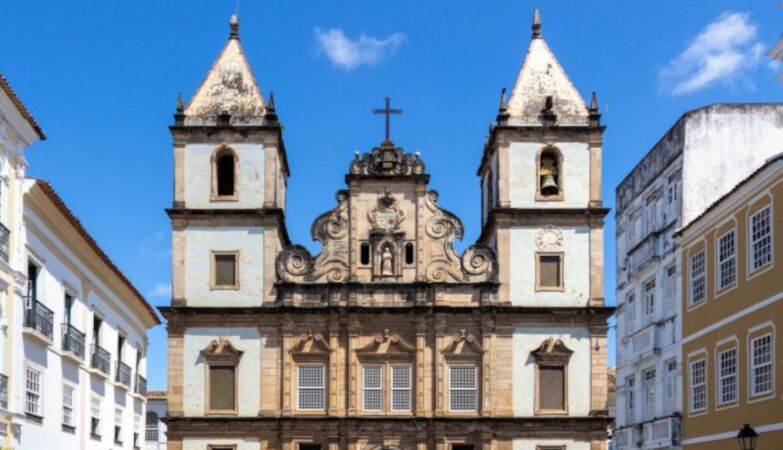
350, 54
160, 290
724, 52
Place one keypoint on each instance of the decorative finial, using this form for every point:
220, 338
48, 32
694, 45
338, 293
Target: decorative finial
595, 116
234, 27
180, 103
536, 23
271, 105
270, 115
593, 102
503, 114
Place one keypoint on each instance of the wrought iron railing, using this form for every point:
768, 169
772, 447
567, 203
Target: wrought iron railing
5, 238
3, 391
38, 317
123, 373
73, 340
141, 385
101, 359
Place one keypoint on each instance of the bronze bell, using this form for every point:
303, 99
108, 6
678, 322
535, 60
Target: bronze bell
548, 184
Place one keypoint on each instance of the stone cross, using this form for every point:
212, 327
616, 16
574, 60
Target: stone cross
387, 111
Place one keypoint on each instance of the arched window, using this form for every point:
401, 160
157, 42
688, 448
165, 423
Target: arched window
549, 174
224, 173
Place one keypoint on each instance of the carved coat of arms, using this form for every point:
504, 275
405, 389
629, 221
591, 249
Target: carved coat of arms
385, 216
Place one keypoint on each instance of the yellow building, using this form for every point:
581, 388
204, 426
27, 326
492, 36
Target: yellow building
732, 310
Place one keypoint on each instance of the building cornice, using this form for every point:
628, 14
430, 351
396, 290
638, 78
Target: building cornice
254, 215
523, 216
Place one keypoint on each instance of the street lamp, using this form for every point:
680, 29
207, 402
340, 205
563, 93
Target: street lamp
747, 438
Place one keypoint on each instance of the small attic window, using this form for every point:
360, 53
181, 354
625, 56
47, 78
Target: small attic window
409, 254
364, 256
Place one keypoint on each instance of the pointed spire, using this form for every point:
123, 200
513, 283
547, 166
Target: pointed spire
270, 106
234, 23
270, 115
503, 108
536, 23
594, 116
593, 103
180, 103
179, 115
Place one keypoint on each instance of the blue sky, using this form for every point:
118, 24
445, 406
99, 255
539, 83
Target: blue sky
102, 79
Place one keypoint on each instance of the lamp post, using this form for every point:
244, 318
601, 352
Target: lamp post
747, 438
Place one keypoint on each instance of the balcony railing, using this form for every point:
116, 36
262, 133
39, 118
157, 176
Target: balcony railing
38, 317
141, 385
645, 343
627, 438
123, 373
662, 433
101, 359
644, 252
5, 237
3, 391
73, 340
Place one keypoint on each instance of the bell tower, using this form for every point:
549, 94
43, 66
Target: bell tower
541, 187
230, 178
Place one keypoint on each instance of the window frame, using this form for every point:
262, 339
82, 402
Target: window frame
213, 270
752, 269
753, 394
39, 393
692, 409
701, 278
95, 420
720, 377
561, 286
379, 389
72, 423
649, 296
218, 153
323, 386
118, 413
475, 388
393, 389
720, 287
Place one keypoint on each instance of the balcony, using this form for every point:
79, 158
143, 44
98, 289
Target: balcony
644, 253
662, 433
73, 341
626, 438
5, 236
3, 391
645, 343
38, 319
101, 359
141, 385
123, 374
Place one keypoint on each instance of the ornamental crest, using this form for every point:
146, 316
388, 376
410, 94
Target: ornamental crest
549, 239
385, 217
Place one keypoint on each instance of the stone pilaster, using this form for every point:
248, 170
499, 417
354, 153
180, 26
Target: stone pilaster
599, 376
176, 373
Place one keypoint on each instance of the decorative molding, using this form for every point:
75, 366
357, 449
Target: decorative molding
311, 344
386, 344
552, 352
463, 345
221, 351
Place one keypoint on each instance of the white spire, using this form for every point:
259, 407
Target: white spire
542, 76
228, 87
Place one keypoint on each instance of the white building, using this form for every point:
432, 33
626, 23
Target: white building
706, 153
74, 327
155, 434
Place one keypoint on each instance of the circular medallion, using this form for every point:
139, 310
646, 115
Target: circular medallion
549, 239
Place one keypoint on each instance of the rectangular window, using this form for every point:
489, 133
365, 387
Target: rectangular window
95, 416
463, 394
551, 388
68, 419
760, 239
698, 385
649, 393
373, 388
136, 430
727, 376
33, 392
550, 272
727, 260
225, 270
401, 388
761, 365
309, 446
649, 298
698, 279
118, 425
312, 391
631, 392
630, 311
222, 388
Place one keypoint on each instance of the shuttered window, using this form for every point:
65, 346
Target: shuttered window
222, 388
550, 271
225, 270
551, 388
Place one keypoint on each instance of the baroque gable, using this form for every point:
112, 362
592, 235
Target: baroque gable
387, 227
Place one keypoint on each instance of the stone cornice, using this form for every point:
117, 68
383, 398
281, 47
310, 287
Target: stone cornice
252, 215
524, 216
500, 135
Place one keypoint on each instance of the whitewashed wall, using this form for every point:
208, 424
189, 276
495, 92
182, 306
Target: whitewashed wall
250, 176
576, 264
246, 340
200, 242
575, 179
527, 340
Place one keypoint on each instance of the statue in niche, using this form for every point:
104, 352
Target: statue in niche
387, 262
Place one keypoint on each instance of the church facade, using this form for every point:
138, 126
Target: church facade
388, 338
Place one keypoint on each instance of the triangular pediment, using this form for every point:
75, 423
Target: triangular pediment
221, 350
463, 345
552, 351
228, 87
386, 344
